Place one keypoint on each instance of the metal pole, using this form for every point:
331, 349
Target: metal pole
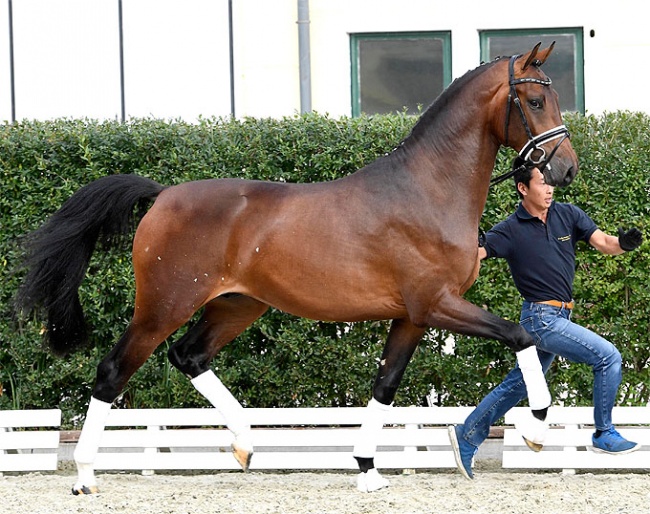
232, 60
304, 56
121, 36
11, 63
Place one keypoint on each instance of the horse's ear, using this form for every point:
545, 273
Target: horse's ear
537, 57
531, 56
543, 55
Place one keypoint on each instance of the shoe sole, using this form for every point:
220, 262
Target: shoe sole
453, 438
607, 452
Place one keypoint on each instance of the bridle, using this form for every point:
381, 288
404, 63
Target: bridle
532, 154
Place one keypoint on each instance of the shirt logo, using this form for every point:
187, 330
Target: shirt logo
564, 238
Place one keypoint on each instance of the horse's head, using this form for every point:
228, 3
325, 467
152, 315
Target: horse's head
533, 123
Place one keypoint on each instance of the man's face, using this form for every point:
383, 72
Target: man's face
538, 194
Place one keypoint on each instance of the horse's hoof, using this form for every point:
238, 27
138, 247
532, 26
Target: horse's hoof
77, 491
371, 481
536, 447
243, 456
532, 430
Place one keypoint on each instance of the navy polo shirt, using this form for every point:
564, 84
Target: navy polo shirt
541, 255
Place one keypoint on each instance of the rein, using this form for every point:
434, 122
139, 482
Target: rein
526, 154
497, 180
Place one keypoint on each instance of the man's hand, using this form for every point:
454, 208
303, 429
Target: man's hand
629, 240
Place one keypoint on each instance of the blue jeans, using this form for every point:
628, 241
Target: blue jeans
554, 334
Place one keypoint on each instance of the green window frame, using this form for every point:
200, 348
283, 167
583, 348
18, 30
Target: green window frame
397, 71
565, 66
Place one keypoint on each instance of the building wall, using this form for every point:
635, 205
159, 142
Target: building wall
177, 63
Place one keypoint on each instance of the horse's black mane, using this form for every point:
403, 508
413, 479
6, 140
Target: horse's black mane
438, 108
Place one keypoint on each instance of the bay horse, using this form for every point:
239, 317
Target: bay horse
396, 240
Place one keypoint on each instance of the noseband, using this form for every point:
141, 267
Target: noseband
532, 154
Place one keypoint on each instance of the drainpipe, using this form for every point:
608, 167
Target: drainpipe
12, 81
120, 22
231, 52
304, 53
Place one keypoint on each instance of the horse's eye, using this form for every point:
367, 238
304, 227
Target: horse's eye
535, 103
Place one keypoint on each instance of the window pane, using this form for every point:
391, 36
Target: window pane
561, 64
395, 73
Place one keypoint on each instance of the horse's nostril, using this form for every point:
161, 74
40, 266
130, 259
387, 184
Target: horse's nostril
568, 178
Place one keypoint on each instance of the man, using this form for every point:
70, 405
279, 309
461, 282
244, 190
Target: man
538, 242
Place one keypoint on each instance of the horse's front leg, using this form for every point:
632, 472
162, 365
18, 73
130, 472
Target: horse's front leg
402, 340
458, 315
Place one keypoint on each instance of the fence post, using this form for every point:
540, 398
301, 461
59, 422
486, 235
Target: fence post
410, 427
150, 450
572, 428
3, 451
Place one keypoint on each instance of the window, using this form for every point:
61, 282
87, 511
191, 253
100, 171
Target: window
565, 66
398, 71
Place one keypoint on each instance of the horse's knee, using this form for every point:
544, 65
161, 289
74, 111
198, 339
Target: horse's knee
520, 339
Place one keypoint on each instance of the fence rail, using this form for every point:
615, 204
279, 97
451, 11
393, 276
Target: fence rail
568, 443
310, 438
292, 438
27, 449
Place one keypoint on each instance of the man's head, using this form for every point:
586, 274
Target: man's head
522, 176
532, 189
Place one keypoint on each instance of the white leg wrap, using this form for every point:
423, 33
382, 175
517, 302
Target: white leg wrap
539, 396
88, 444
532, 430
91, 433
371, 481
370, 429
209, 385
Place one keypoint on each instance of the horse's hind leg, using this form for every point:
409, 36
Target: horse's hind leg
400, 345
223, 319
113, 372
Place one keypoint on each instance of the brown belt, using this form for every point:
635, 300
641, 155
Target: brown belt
556, 303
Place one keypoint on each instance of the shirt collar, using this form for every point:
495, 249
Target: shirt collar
524, 215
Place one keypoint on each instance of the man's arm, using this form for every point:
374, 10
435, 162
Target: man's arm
612, 245
482, 253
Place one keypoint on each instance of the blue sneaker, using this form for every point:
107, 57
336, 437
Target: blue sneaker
613, 443
463, 451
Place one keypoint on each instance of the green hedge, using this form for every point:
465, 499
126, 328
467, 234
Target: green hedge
282, 360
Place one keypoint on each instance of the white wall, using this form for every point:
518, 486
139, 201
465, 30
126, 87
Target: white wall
267, 77
63, 66
177, 53
612, 80
176, 58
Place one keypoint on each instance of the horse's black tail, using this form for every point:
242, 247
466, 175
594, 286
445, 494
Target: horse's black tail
57, 254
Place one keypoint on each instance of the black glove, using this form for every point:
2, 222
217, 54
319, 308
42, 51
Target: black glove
629, 240
481, 238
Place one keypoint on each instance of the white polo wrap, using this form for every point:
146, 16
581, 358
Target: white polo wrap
539, 396
370, 429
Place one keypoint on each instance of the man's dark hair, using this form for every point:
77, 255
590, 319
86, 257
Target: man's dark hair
523, 174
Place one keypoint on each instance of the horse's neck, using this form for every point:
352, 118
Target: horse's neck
448, 158
455, 162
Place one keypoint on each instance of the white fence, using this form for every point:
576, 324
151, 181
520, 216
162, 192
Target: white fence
310, 438
26, 449
568, 443
292, 438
